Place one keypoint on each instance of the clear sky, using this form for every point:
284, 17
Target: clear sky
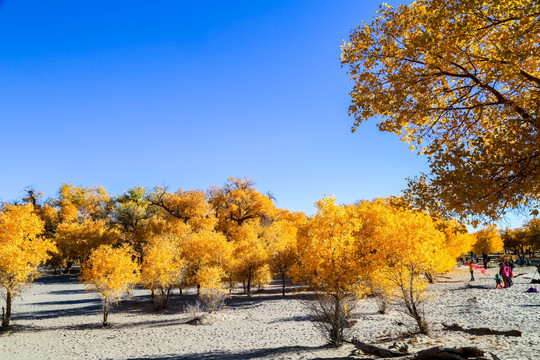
187, 94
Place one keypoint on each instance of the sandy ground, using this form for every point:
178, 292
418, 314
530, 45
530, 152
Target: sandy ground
57, 319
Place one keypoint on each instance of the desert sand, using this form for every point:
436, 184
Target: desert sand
56, 318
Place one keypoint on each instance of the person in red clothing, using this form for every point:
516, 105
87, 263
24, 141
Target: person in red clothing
502, 273
507, 274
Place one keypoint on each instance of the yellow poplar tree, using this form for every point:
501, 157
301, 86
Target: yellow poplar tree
77, 220
133, 213
251, 255
375, 219
281, 238
77, 239
329, 263
242, 213
457, 243
111, 272
488, 241
459, 80
416, 248
85, 202
401, 246
532, 232
205, 252
237, 202
190, 207
516, 240
21, 251
161, 269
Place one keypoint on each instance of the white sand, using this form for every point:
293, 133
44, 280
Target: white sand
57, 319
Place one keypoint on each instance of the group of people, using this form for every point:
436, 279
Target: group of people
505, 275
504, 278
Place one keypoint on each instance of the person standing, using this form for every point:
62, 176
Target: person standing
471, 269
502, 272
498, 281
509, 275
486, 260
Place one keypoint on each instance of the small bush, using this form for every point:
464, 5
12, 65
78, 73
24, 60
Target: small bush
213, 299
332, 314
194, 309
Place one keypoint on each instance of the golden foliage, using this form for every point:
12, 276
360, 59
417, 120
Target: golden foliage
488, 241
281, 238
328, 255
459, 81
404, 246
111, 272
133, 214
83, 202
21, 250
373, 246
238, 202
206, 253
251, 255
162, 267
189, 207
76, 240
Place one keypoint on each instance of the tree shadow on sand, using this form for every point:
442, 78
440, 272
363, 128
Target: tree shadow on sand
67, 302
471, 286
63, 279
68, 292
57, 313
90, 325
297, 318
248, 354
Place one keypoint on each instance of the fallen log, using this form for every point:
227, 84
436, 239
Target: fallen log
438, 353
375, 350
434, 353
482, 331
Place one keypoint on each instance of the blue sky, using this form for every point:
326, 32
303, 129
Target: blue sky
187, 94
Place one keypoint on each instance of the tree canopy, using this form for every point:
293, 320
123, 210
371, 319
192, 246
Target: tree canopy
21, 251
460, 81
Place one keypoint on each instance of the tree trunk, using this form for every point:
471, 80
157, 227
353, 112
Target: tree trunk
423, 327
105, 311
249, 285
283, 279
7, 316
68, 267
